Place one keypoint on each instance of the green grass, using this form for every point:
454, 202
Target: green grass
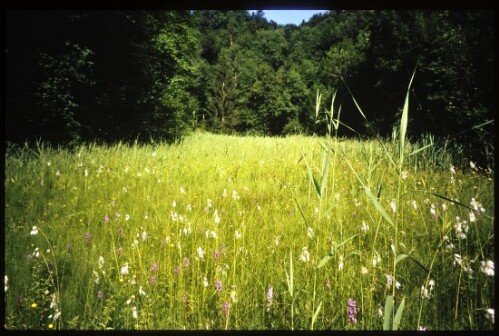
271, 212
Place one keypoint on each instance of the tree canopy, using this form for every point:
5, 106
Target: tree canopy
75, 76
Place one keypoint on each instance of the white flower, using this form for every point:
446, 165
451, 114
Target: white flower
141, 291
487, 267
489, 314
414, 204
457, 260
144, 236
134, 312
217, 218
58, 173
200, 252
101, 262
363, 270
174, 203
36, 253
237, 234
364, 227
182, 190
124, 269
205, 282
188, 208
452, 169
127, 217
340, 263
224, 194
277, 239
86, 172
393, 205
187, 230
34, 231
130, 300
376, 259
305, 255
233, 295
235, 195
472, 217
310, 233
6, 283
424, 293
472, 165
404, 175
153, 154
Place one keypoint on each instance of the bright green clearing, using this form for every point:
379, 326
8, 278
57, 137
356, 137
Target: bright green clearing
224, 232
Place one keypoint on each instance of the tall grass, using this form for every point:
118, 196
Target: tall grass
226, 232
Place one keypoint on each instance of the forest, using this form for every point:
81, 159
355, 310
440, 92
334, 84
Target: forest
76, 77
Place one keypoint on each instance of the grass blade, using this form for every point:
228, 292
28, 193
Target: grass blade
398, 315
388, 312
378, 206
314, 318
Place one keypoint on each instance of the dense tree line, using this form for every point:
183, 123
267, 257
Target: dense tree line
74, 76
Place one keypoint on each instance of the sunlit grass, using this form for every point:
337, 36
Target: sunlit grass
194, 235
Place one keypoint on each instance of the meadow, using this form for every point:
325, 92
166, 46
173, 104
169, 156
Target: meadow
230, 232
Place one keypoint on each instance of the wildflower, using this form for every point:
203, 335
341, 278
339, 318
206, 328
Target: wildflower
100, 294
141, 291
135, 243
51, 326
101, 262
305, 255
130, 300
393, 205
153, 154
225, 308
127, 217
235, 195
87, 236
154, 266
186, 262
476, 206
489, 315
352, 311
36, 253
176, 270
472, 217
277, 240
217, 218
472, 165
270, 297
233, 295
217, 254
124, 269
86, 172
144, 236
182, 190
174, 204
117, 215
421, 328
6, 283
106, 219
34, 231
340, 263
310, 233
487, 267
452, 169
404, 175
200, 252
153, 280
205, 282
414, 204
237, 234
364, 227
376, 259
134, 312
224, 194
34, 305
218, 286
363, 270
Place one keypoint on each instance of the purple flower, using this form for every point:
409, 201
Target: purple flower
225, 308
217, 254
120, 230
186, 262
87, 236
154, 266
153, 280
176, 270
106, 219
352, 311
100, 294
218, 285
